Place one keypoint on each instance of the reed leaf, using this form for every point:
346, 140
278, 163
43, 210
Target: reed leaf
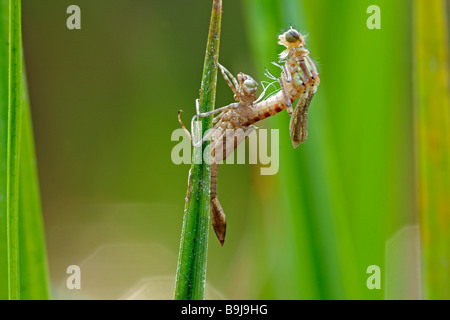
192, 258
13, 147
23, 268
4, 75
34, 278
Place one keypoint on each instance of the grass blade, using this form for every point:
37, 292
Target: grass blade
13, 147
191, 269
432, 103
32, 253
4, 62
21, 232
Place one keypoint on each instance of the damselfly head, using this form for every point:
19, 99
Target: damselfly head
291, 39
247, 84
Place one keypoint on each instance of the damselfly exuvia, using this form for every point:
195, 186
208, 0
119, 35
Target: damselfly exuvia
228, 132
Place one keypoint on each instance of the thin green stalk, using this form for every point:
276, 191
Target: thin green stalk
13, 147
191, 269
432, 123
4, 35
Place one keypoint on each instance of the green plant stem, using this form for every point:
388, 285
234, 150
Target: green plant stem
14, 130
192, 258
433, 142
4, 75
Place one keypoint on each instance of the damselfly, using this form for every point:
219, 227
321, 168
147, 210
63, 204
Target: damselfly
299, 80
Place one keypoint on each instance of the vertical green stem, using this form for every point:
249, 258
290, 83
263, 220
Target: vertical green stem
191, 269
432, 104
13, 147
4, 75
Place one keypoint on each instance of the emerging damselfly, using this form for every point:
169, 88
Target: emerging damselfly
299, 80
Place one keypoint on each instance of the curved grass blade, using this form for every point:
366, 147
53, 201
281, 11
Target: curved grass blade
191, 269
20, 208
34, 281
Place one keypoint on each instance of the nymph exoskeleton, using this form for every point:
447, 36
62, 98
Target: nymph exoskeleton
228, 132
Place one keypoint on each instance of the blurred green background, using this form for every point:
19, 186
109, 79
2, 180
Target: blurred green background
104, 101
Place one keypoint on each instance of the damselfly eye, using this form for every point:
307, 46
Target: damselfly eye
250, 84
292, 36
